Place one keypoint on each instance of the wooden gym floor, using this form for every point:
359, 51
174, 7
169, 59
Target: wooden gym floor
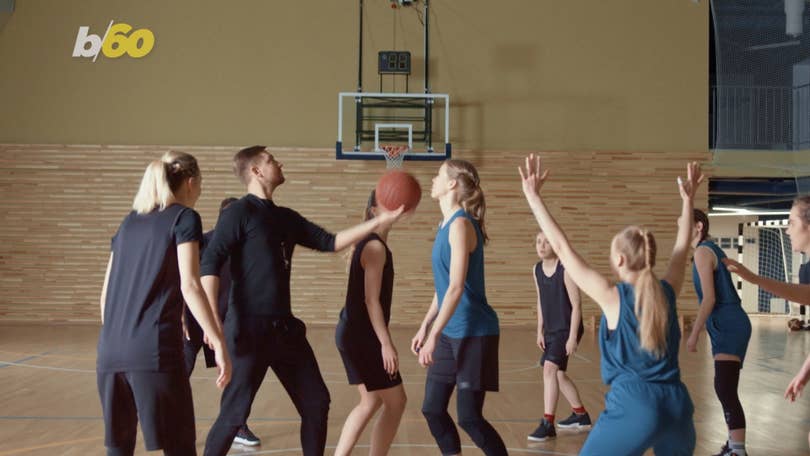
49, 404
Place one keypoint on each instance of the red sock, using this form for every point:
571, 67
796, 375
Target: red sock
549, 418
579, 410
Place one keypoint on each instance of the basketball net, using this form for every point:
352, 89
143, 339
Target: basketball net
394, 155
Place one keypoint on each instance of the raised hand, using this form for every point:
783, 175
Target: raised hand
533, 177
694, 177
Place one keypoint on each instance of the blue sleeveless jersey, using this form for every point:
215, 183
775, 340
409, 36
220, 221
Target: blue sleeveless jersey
728, 325
724, 289
623, 359
473, 315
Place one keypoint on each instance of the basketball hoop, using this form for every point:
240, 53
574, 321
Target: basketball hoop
394, 155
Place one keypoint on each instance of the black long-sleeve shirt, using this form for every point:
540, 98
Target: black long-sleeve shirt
259, 237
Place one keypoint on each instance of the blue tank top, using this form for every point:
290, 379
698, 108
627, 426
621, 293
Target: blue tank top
473, 315
623, 359
724, 290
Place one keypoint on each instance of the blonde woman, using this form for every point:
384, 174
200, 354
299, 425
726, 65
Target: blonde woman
153, 267
647, 406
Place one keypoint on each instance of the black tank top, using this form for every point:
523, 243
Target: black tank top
554, 300
354, 315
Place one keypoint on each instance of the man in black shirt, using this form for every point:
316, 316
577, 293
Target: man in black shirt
260, 329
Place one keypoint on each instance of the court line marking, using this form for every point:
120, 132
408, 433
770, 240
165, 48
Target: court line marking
48, 445
403, 445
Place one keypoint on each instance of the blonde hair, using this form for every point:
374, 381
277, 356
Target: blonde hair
471, 197
652, 310
162, 178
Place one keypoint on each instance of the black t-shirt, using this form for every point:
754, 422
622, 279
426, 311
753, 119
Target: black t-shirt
355, 314
141, 330
554, 301
804, 273
259, 237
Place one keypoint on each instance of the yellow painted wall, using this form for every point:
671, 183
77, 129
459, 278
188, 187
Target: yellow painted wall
614, 94
573, 75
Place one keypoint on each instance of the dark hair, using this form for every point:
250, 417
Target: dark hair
226, 202
803, 203
244, 159
371, 203
701, 217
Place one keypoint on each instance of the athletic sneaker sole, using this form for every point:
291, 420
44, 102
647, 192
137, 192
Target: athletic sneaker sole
541, 439
246, 442
574, 426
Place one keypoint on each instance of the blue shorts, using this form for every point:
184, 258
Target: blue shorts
729, 329
639, 416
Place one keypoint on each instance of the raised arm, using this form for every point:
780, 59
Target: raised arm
461, 236
680, 252
351, 236
588, 279
796, 292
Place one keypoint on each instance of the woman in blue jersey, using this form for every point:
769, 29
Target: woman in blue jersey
647, 406
799, 232
728, 326
154, 267
458, 339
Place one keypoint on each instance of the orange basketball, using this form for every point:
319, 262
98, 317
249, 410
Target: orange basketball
397, 188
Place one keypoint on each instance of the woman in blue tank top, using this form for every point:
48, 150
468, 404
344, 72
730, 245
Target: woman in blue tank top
647, 406
799, 232
458, 339
728, 326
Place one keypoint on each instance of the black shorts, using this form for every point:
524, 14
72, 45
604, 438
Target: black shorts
470, 363
160, 401
362, 358
555, 348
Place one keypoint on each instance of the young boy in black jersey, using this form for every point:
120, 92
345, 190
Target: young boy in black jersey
559, 329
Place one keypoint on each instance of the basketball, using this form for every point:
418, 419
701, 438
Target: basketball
396, 188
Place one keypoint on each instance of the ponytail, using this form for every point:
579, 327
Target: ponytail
368, 214
471, 196
161, 179
700, 216
652, 309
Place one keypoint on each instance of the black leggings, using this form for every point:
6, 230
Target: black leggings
726, 380
469, 405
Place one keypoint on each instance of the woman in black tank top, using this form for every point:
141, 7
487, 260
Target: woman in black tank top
365, 344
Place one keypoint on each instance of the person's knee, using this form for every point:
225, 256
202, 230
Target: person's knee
550, 371
395, 402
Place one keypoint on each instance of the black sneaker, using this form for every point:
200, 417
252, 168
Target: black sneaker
725, 451
543, 432
245, 437
575, 421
